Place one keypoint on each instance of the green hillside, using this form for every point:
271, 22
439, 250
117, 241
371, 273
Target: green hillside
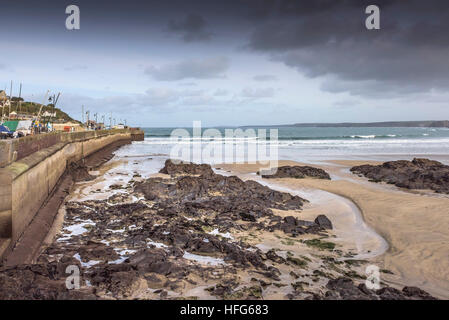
32, 108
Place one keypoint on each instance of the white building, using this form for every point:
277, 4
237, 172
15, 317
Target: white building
47, 114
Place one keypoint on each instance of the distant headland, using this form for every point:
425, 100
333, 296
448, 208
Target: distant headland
410, 124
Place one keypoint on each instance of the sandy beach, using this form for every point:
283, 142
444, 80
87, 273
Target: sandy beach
415, 225
189, 231
402, 232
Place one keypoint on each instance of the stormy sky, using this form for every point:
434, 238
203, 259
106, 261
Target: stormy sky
248, 62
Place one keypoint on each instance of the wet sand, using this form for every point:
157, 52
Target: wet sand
416, 226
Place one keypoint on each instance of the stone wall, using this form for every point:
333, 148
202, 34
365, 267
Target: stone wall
15, 149
27, 182
5, 204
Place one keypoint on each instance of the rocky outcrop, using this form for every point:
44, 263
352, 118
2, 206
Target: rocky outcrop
345, 289
295, 227
415, 174
297, 172
323, 222
39, 282
173, 168
229, 198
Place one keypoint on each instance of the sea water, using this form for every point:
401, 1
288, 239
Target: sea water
314, 144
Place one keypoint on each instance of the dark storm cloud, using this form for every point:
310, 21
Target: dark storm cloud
328, 38
194, 69
319, 38
191, 28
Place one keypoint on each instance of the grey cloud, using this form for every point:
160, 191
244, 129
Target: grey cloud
198, 101
257, 93
265, 77
346, 103
187, 84
157, 100
158, 96
192, 28
220, 92
195, 69
161, 102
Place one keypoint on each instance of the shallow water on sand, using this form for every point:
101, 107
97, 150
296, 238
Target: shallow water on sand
350, 229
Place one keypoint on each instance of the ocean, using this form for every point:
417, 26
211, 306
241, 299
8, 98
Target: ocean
314, 144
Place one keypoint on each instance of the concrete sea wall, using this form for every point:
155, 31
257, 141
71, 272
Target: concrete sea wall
16, 149
33, 168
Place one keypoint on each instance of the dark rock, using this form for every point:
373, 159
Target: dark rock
38, 282
185, 168
344, 288
389, 293
271, 255
297, 172
230, 197
152, 260
290, 220
323, 222
415, 174
296, 227
248, 216
417, 293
